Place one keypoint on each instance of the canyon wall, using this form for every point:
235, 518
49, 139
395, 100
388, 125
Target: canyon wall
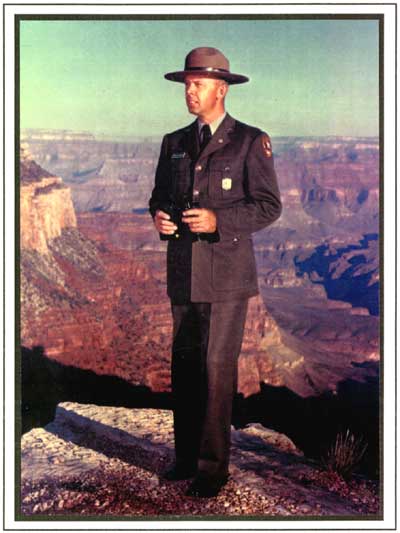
94, 288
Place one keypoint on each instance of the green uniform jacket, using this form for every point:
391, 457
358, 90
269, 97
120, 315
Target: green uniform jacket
235, 177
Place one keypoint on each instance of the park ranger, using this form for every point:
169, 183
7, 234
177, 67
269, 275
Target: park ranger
215, 185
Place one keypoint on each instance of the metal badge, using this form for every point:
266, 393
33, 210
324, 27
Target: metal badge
179, 155
227, 184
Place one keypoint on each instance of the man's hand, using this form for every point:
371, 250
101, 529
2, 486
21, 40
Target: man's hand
200, 220
163, 223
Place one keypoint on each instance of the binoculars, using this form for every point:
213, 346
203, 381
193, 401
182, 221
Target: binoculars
175, 210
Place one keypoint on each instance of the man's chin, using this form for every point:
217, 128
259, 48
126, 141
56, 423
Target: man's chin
193, 109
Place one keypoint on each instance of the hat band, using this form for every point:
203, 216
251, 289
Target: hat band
208, 69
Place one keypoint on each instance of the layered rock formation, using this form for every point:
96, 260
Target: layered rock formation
122, 325
114, 183
102, 175
134, 280
45, 206
324, 181
96, 311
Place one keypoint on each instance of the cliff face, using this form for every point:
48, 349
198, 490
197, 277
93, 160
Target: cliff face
46, 207
90, 304
51, 246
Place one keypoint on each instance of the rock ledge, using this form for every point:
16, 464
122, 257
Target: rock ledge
95, 460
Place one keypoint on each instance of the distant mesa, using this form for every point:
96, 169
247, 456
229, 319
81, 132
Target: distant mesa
328, 184
55, 135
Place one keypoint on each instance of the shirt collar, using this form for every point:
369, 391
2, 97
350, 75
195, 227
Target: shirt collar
213, 125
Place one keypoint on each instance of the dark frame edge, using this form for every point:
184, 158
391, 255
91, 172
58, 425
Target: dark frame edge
4, 272
381, 257
17, 376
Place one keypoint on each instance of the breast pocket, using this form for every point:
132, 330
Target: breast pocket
222, 184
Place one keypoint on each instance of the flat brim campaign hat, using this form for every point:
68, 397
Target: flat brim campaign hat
208, 62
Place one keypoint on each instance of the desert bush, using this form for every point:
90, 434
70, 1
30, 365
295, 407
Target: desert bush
345, 454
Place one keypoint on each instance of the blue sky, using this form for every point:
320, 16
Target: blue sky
307, 77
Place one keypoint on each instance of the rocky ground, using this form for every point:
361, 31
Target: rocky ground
108, 461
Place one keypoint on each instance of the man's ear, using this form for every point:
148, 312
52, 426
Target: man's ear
222, 90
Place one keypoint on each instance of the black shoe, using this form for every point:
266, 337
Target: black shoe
206, 488
178, 473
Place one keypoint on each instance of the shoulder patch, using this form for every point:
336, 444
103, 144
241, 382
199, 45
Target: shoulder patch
266, 144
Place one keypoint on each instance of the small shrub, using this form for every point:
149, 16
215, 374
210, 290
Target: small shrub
345, 454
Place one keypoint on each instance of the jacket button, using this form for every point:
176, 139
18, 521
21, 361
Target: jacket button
198, 168
235, 240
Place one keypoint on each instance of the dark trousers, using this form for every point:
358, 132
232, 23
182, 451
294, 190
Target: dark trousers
206, 346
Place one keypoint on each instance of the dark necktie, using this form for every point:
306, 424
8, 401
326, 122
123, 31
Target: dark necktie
205, 136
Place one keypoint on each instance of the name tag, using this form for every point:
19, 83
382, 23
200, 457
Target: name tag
178, 155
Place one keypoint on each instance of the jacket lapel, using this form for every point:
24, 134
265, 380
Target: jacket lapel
220, 138
191, 141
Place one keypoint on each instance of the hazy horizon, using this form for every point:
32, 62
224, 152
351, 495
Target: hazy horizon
308, 78
99, 136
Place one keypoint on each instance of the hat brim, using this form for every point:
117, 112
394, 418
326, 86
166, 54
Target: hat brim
232, 79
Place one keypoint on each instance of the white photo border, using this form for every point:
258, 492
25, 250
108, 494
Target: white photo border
388, 231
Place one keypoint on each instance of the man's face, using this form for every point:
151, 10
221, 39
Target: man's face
203, 95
